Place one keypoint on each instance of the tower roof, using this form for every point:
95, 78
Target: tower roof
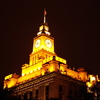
44, 27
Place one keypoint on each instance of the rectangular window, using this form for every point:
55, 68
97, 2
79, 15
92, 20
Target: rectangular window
36, 95
60, 92
30, 94
19, 97
47, 92
25, 96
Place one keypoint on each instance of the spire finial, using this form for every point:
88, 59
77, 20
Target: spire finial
45, 15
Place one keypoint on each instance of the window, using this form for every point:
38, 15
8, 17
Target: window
19, 97
47, 92
70, 94
36, 95
30, 94
60, 92
25, 96
75, 93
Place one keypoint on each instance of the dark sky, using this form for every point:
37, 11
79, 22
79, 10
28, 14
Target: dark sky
73, 24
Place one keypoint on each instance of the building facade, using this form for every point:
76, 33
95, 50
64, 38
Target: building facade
47, 76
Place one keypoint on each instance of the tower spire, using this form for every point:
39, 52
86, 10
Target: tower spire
44, 27
45, 15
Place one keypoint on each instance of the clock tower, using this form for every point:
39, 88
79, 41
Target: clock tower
43, 45
43, 40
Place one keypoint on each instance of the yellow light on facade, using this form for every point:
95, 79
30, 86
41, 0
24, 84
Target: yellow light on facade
22, 74
48, 33
93, 79
39, 68
41, 28
44, 27
60, 59
51, 69
35, 69
39, 33
42, 46
31, 71
8, 76
89, 84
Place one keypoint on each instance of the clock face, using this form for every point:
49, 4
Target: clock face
37, 43
48, 43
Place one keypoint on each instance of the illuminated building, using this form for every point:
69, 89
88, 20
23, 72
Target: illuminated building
47, 75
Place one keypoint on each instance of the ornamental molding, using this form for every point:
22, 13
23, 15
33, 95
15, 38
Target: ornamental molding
47, 78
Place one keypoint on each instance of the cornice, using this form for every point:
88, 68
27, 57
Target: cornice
47, 78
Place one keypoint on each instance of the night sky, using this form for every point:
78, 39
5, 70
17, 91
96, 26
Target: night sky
73, 24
